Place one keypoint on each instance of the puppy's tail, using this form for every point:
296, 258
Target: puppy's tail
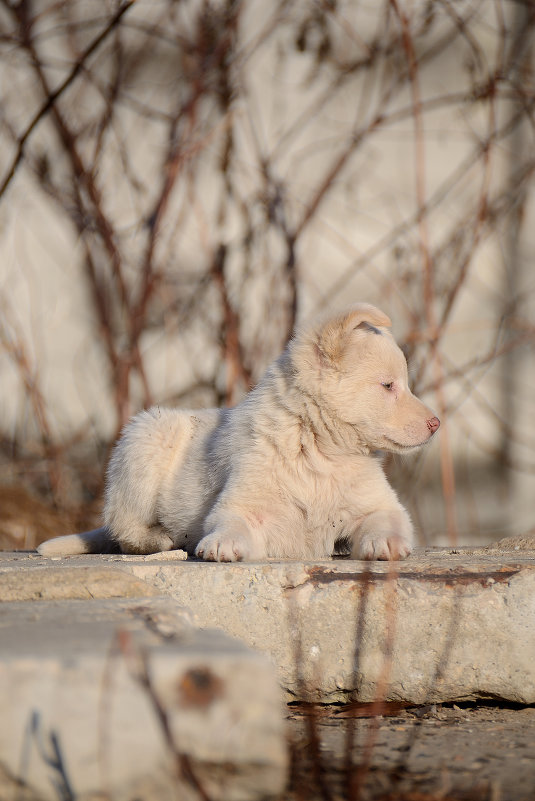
97, 541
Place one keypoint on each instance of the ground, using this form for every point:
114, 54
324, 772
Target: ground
481, 752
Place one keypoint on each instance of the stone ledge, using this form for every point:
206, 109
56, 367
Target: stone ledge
65, 582
440, 626
126, 699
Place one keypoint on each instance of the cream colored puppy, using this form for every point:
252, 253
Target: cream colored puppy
288, 473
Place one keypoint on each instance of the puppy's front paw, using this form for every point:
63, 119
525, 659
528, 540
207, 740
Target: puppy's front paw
224, 548
384, 534
392, 547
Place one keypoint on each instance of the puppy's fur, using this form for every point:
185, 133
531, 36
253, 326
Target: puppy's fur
287, 473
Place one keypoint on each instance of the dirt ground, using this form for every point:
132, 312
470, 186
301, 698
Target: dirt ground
480, 752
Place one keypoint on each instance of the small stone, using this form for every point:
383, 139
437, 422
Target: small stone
163, 556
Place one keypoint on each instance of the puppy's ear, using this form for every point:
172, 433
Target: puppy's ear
334, 334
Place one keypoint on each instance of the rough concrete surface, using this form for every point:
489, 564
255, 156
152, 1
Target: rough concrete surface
84, 582
126, 697
440, 626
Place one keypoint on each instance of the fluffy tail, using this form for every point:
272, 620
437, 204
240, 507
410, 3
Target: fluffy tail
97, 541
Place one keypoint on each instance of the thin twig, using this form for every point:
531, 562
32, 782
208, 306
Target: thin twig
52, 97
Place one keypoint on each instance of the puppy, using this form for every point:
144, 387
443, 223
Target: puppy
289, 473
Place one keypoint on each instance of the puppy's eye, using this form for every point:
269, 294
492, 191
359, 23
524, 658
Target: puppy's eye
389, 385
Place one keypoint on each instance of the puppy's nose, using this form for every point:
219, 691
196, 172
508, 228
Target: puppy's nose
433, 424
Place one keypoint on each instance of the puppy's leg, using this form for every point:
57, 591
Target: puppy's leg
384, 534
230, 539
138, 464
130, 515
134, 536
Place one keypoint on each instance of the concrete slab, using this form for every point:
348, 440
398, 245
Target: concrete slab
125, 699
82, 582
443, 625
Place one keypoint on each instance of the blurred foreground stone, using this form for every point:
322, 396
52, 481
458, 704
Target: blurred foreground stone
443, 625
125, 700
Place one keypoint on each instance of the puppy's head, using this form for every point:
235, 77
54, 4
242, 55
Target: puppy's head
353, 368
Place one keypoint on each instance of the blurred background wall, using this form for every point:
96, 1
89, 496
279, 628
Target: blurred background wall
183, 182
